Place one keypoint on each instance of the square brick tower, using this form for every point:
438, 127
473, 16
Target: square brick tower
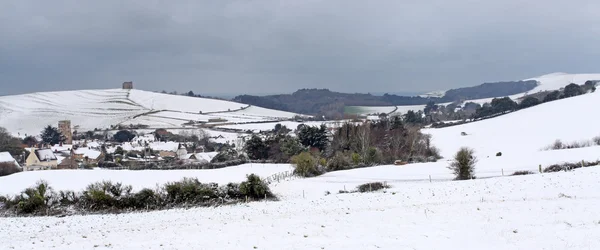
128, 85
65, 129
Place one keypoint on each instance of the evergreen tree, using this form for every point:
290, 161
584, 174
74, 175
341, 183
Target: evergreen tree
529, 102
315, 137
52, 136
552, 96
256, 148
573, 90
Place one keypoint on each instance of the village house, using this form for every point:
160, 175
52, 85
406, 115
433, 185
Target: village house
5, 157
88, 155
40, 159
68, 163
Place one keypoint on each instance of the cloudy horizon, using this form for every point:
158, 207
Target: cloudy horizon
257, 47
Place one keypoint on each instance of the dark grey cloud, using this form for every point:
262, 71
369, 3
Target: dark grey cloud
268, 46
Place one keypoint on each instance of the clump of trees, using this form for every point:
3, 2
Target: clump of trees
124, 136
107, 197
10, 144
383, 142
504, 105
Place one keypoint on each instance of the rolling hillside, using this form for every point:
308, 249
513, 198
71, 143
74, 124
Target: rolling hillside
547, 82
423, 209
90, 109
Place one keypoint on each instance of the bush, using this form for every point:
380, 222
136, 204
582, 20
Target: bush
255, 188
105, 195
373, 156
596, 140
144, 199
356, 158
232, 191
190, 190
7, 168
499, 154
370, 187
37, 199
557, 145
338, 162
305, 165
523, 173
67, 198
463, 165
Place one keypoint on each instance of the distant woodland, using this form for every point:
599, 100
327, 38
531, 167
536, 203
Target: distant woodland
323, 102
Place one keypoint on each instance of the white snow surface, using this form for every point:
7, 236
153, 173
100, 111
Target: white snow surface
524, 131
544, 211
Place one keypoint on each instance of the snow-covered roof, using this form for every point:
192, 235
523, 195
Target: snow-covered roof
206, 156
6, 157
45, 155
89, 153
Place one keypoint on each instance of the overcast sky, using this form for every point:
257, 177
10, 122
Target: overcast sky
268, 46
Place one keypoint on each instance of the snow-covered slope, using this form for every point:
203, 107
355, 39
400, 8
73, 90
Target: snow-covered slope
525, 131
89, 109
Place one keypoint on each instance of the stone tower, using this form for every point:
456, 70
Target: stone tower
128, 85
65, 129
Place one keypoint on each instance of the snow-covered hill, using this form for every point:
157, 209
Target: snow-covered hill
547, 82
89, 109
527, 130
539, 211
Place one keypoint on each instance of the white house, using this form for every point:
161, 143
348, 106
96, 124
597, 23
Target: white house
5, 157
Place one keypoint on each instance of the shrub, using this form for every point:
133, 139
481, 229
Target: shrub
67, 198
356, 158
144, 199
305, 165
105, 195
190, 190
7, 168
523, 173
370, 187
36, 199
232, 191
373, 156
596, 140
463, 164
338, 162
499, 154
255, 188
557, 145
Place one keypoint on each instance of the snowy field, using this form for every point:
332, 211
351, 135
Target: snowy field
422, 210
525, 131
90, 109
549, 211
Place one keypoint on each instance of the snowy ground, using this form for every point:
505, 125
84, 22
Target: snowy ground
526, 131
549, 211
